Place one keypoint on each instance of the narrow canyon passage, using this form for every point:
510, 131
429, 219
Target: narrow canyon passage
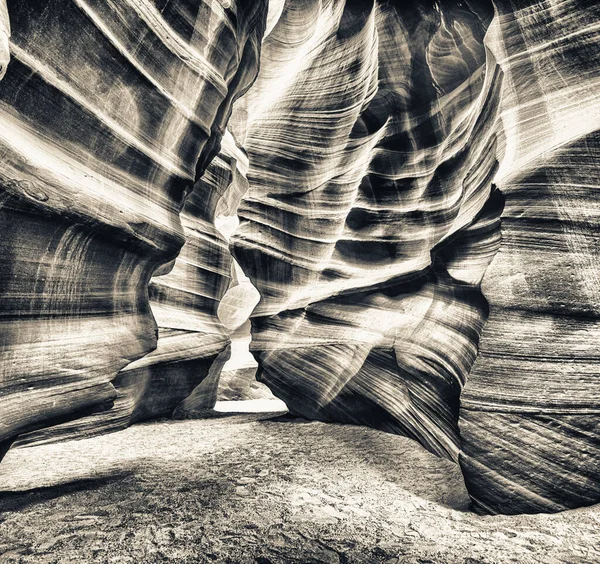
299, 280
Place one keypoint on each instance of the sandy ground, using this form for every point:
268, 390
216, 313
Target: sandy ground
244, 489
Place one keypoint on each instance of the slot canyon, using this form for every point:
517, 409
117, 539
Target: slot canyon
261, 255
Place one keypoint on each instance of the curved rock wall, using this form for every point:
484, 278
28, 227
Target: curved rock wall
192, 343
103, 132
420, 222
370, 217
374, 136
529, 416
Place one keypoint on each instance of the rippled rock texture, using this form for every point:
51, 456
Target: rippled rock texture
376, 134
193, 344
418, 229
371, 215
529, 416
109, 113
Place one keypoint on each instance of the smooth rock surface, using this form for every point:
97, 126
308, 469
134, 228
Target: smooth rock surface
109, 113
418, 238
375, 131
372, 134
530, 417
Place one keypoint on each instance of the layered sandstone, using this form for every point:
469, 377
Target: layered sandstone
417, 241
529, 416
109, 113
376, 133
371, 215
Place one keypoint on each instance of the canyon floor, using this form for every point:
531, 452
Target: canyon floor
261, 488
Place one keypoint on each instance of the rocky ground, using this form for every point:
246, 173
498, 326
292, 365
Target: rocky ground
243, 488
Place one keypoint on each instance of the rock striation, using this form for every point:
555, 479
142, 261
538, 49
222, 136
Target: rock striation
371, 214
103, 134
193, 344
529, 417
407, 190
377, 134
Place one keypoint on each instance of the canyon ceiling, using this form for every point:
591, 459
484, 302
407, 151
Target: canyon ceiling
401, 197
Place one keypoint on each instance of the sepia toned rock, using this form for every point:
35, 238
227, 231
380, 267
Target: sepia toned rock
109, 113
371, 217
374, 134
395, 225
529, 416
192, 342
